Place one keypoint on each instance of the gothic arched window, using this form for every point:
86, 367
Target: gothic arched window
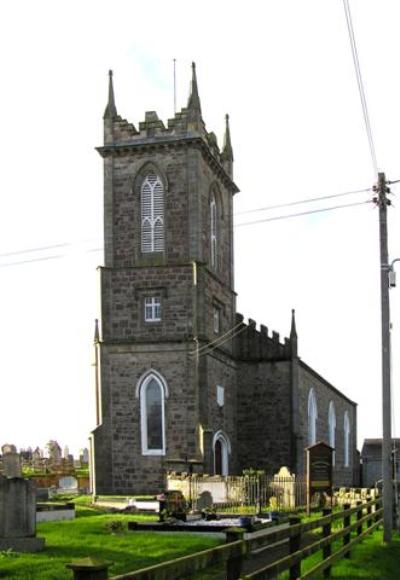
213, 232
346, 436
152, 392
312, 417
332, 428
152, 214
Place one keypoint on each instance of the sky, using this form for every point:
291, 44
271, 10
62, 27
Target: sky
283, 70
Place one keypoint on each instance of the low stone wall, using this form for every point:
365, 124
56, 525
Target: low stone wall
54, 513
53, 479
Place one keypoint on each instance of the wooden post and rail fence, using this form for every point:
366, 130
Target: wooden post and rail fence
334, 534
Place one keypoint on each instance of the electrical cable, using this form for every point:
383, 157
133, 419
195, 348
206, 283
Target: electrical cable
275, 218
360, 83
216, 340
309, 200
276, 206
220, 344
292, 215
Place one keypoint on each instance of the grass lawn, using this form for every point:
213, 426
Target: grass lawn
88, 535
370, 559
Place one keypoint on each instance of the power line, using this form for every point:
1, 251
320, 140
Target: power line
216, 340
292, 215
32, 250
271, 207
44, 258
309, 200
212, 348
360, 83
275, 218
47, 247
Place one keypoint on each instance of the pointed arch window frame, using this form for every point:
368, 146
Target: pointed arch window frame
141, 389
152, 212
214, 239
346, 439
332, 429
312, 416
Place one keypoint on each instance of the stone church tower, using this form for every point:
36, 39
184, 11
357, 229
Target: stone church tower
182, 382
164, 399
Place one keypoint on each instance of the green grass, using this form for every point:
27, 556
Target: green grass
88, 535
369, 559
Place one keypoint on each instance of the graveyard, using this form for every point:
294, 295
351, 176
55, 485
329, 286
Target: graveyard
199, 526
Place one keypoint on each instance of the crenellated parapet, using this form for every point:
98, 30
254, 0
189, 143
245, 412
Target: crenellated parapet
187, 126
251, 344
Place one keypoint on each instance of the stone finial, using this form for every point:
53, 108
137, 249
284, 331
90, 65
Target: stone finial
111, 109
227, 151
293, 335
194, 99
11, 461
193, 112
96, 331
293, 332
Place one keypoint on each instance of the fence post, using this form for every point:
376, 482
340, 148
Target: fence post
294, 546
234, 563
359, 516
346, 523
326, 531
89, 569
369, 511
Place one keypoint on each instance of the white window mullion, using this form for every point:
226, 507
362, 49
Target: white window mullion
152, 214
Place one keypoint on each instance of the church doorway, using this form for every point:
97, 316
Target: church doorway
221, 454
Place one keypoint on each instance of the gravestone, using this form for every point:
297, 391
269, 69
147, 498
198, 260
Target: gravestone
11, 461
17, 507
68, 484
204, 501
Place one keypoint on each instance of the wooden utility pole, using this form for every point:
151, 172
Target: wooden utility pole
383, 202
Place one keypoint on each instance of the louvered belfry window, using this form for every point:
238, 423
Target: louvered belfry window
152, 214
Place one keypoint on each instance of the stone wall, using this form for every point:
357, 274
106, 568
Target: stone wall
325, 393
264, 416
129, 471
123, 295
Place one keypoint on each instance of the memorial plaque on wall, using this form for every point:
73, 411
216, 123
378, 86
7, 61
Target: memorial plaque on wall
319, 471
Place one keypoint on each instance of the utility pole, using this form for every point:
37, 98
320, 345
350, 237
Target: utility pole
383, 202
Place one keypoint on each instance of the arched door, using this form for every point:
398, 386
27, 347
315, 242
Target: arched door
221, 455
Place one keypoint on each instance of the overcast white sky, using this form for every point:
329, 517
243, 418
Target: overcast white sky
283, 71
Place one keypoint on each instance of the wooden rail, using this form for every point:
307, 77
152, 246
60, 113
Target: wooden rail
237, 549
295, 533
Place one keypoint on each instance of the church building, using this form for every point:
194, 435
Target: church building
182, 381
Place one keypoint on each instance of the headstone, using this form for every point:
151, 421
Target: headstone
68, 484
17, 507
204, 501
11, 461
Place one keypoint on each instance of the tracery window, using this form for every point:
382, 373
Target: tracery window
152, 214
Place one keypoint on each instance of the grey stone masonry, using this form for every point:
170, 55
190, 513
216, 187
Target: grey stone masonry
175, 364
